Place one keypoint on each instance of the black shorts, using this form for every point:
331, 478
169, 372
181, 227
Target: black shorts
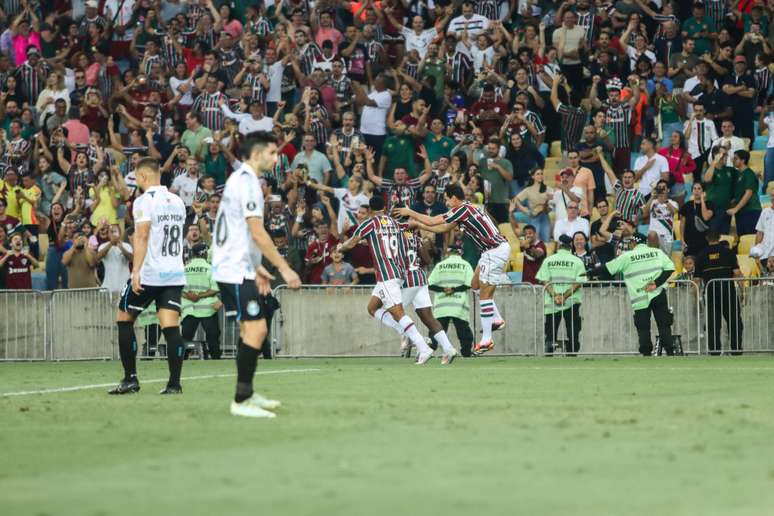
167, 297
243, 299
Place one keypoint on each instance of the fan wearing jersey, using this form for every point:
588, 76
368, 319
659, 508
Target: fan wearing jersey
415, 292
494, 248
388, 252
240, 241
158, 275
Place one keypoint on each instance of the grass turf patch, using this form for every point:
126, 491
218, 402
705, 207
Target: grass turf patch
381, 436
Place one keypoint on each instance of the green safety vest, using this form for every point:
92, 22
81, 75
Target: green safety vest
562, 270
452, 272
198, 278
641, 266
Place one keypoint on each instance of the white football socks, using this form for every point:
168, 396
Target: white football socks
487, 317
444, 341
410, 331
384, 317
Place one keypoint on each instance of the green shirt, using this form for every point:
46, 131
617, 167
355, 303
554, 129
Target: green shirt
198, 278
721, 188
452, 272
562, 270
216, 167
668, 110
399, 152
747, 180
439, 148
693, 26
500, 186
436, 69
641, 266
193, 140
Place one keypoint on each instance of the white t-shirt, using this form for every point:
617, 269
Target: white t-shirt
634, 56
235, 256
163, 265
569, 228
185, 186
248, 124
479, 55
561, 201
274, 73
766, 226
116, 267
661, 218
735, 143
374, 119
651, 176
418, 42
175, 83
769, 121
476, 25
348, 206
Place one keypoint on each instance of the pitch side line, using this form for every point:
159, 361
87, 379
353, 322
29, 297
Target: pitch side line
157, 380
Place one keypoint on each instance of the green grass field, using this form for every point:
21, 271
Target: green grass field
381, 436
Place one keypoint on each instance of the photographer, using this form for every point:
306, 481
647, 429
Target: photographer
81, 263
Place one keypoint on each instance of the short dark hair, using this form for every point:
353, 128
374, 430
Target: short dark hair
256, 140
456, 191
148, 163
376, 203
530, 226
743, 155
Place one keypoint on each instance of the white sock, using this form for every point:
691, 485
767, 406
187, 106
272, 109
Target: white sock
410, 331
384, 317
487, 317
443, 340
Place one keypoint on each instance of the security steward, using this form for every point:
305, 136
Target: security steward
450, 280
645, 272
718, 262
562, 274
200, 302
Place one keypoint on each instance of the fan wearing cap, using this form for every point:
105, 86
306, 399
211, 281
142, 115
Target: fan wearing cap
566, 193
645, 272
740, 88
562, 274
90, 16
200, 302
32, 75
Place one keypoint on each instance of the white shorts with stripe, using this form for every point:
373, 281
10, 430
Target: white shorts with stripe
388, 292
492, 264
417, 296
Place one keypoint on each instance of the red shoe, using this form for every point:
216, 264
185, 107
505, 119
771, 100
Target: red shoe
482, 347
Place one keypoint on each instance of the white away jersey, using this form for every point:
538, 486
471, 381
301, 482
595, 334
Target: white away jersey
163, 265
235, 255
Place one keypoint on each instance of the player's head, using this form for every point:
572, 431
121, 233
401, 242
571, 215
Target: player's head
376, 204
455, 195
259, 150
147, 173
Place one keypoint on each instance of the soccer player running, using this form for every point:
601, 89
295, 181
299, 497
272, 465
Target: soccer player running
158, 275
495, 252
240, 240
388, 252
415, 292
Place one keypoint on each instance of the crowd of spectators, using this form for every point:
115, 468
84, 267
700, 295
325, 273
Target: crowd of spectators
655, 105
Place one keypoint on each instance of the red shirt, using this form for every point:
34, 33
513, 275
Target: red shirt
10, 223
489, 115
18, 273
680, 163
532, 265
316, 249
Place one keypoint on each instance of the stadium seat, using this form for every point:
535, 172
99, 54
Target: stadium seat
748, 266
543, 149
678, 231
745, 244
550, 248
730, 239
677, 259
516, 263
556, 149
746, 143
515, 277
643, 228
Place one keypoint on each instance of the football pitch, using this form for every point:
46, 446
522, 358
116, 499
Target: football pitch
602, 436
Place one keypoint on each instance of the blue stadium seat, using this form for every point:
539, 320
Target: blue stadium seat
515, 277
760, 143
544, 149
643, 228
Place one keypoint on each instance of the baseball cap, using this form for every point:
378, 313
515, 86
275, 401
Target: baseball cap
565, 240
92, 3
740, 59
639, 238
567, 172
33, 50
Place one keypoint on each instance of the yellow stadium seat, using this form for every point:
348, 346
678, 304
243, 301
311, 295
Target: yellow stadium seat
550, 248
516, 264
746, 143
745, 244
730, 239
677, 259
556, 148
748, 266
676, 225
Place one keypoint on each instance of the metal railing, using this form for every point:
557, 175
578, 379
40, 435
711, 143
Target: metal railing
728, 316
738, 314
602, 323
